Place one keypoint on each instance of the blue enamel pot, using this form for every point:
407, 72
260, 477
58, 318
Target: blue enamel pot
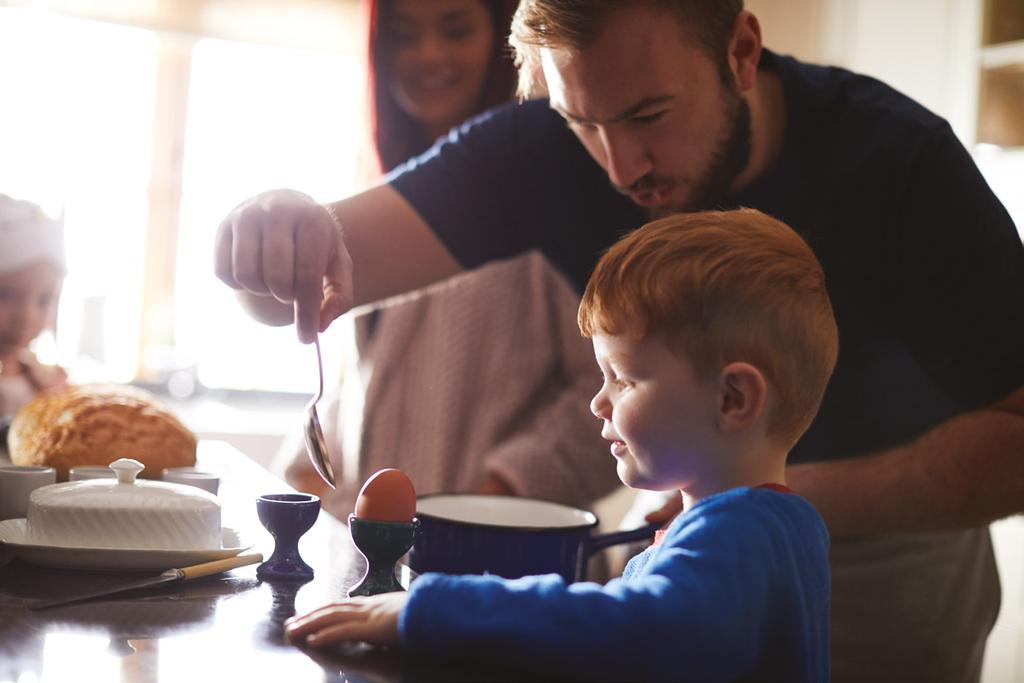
465, 533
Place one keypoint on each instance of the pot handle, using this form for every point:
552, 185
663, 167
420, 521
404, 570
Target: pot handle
616, 537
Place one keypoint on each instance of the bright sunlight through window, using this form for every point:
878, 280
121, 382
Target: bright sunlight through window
78, 134
259, 118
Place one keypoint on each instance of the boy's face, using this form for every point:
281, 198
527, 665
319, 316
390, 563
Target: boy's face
659, 416
650, 107
27, 299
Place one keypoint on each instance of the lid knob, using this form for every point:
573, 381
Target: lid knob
126, 470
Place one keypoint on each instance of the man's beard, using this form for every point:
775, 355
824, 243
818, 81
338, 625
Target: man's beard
730, 156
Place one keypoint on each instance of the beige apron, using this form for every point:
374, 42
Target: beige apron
913, 608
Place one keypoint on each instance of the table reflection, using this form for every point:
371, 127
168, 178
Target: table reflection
215, 626
227, 627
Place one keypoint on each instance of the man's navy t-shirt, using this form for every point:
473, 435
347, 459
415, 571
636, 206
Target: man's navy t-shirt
924, 266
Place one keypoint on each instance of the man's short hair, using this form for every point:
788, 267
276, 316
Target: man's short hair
573, 24
720, 287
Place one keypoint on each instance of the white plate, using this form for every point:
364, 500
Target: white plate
13, 535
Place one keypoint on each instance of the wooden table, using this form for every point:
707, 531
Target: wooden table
225, 628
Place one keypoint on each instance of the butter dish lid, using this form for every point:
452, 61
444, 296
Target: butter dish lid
125, 492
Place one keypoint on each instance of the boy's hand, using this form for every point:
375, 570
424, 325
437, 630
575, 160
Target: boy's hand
371, 619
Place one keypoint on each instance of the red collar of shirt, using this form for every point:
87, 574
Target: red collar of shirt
781, 488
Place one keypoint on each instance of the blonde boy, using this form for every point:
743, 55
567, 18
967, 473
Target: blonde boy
715, 337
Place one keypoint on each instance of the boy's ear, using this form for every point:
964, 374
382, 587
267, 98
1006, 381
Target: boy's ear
743, 393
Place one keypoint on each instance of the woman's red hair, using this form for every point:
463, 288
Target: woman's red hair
396, 136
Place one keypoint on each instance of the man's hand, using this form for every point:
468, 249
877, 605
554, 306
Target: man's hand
494, 485
371, 619
283, 244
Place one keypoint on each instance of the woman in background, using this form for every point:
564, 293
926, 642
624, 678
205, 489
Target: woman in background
482, 384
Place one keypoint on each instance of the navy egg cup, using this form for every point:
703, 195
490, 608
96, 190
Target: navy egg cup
287, 516
382, 544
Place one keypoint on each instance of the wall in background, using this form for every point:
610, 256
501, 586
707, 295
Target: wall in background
927, 49
930, 50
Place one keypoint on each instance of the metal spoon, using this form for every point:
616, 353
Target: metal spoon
316, 445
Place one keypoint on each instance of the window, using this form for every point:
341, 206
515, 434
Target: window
76, 135
258, 118
145, 139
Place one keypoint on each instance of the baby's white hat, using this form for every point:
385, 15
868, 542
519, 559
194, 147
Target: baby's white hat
28, 235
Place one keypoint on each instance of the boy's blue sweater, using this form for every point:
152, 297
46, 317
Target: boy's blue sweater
737, 589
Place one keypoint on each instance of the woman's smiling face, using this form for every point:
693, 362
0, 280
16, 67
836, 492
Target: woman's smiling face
659, 416
440, 57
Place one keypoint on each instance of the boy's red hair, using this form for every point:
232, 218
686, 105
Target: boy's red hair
719, 287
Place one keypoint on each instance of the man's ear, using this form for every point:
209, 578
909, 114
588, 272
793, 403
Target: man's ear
743, 393
745, 50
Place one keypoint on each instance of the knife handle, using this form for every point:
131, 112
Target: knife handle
218, 566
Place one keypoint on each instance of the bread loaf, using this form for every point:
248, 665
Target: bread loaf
95, 424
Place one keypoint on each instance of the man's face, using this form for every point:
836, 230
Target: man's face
650, 106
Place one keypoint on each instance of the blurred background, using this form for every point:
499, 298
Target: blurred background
145, 121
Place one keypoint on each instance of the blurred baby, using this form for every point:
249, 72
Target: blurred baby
31, 273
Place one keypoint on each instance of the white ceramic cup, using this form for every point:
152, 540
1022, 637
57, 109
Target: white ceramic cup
16, 483
208, 481
83, 472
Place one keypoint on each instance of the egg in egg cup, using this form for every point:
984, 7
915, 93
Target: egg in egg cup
382, 544
383, 528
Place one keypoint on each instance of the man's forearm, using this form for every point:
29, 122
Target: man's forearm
966, 472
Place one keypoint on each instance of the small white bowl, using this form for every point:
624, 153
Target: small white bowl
208, 481
17, 483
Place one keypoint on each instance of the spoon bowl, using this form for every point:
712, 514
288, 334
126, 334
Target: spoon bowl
316, 445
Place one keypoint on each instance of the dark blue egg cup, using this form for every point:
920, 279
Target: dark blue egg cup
382, 544
287, 516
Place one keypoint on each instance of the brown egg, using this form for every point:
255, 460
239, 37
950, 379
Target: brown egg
387, 496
